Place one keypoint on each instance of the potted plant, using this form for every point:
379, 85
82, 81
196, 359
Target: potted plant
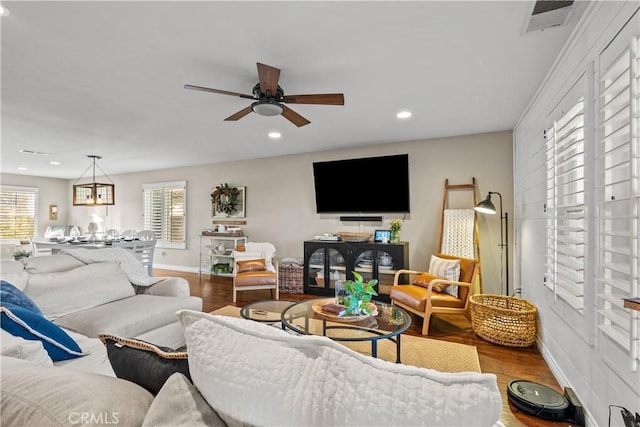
221, 268
358, 295
396, 226
18, 255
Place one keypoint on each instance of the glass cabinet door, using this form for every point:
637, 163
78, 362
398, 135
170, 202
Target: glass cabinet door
316, 269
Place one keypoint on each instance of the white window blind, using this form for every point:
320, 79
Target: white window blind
618, 195
165, 213
566, 223
18, 212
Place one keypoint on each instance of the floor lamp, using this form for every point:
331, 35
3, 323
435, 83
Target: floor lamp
487, 207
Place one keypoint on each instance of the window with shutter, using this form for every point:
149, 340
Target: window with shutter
18, 212
618, 198
567, 225
165, 213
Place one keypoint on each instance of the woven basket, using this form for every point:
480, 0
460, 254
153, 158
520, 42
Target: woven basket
503, 320
290, 278
354, 237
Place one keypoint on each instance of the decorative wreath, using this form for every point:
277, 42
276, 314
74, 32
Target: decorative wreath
225, 198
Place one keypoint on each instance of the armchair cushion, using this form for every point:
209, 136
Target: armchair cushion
251, 265
254, 278
416, 297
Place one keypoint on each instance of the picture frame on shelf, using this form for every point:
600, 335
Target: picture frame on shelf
382, 236
238, 206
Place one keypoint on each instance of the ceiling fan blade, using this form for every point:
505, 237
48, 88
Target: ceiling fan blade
268, 77
293, 117
240, 114
320, 98
222, 92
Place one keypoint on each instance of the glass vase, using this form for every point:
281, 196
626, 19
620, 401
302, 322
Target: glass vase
395, 236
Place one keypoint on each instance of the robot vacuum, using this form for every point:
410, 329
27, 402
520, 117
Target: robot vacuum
543, 402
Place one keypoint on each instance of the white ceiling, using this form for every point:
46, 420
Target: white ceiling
107, 78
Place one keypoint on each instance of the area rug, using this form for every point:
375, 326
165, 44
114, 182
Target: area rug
417, 351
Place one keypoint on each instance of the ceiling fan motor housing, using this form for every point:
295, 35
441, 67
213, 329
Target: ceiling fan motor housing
275, 97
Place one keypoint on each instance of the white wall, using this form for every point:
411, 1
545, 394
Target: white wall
573, 353
281, 204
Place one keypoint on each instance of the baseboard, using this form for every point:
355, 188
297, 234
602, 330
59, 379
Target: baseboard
563, 380
181, 268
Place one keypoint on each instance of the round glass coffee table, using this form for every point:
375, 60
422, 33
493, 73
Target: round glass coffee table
266, 311
306, 318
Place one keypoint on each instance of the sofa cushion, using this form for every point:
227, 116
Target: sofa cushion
20, 348
144, 363
128, 317
51, 264
61, 293
312, 380
51, 396
12, 295
24, 323
180, 404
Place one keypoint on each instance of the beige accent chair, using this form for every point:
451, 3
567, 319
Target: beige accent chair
254, 268
419, 295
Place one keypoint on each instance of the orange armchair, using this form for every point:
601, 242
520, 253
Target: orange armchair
425, 294
255, 268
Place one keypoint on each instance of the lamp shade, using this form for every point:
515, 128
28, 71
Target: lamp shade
267, 108
486, 206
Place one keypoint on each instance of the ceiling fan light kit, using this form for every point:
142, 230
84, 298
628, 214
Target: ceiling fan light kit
267, 108
269, 98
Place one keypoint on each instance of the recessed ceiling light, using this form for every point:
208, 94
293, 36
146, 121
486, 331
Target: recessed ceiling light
3, 10
22, 168
403, 114
54, 163
275, 135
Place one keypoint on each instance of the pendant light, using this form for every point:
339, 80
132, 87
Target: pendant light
93, 193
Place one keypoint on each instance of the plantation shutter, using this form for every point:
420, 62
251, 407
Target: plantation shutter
618, 198
18, 207
165, 213
566, 220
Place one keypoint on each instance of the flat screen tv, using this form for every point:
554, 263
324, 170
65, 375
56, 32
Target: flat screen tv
365, 185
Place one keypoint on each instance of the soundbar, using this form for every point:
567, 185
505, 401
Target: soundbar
361, 218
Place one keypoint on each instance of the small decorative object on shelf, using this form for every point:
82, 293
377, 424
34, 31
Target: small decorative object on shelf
354, 237
358, 294
395, 225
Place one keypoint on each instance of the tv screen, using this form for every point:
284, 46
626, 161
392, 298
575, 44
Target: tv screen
366, 185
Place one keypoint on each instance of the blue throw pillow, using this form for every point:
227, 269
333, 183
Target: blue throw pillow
20, 322
9, 294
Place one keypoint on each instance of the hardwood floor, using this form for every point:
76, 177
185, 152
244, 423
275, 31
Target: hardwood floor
507, 363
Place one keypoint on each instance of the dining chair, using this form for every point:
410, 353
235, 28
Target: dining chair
129, 234
142, 249
146, 235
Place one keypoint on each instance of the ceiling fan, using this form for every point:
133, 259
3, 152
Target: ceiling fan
270, 98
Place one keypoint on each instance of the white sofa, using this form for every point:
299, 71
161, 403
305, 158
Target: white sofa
249, 373
83, 295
